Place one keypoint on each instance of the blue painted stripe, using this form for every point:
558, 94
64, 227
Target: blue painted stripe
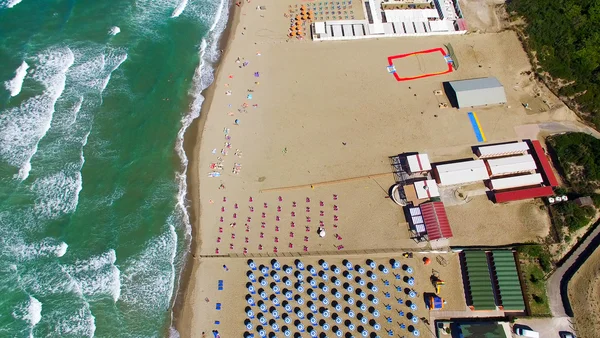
475, 126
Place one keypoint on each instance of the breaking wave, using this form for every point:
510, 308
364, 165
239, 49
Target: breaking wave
14, 86
22, 128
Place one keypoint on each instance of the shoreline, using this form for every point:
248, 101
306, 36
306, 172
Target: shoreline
191, 146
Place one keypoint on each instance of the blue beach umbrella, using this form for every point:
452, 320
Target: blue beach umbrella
261, 318
347, 264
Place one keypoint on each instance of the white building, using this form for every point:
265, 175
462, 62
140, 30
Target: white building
418, 163
426, 189
416, 18
511, 165
461, 172
516, 181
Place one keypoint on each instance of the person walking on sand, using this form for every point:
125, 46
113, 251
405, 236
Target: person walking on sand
225, 267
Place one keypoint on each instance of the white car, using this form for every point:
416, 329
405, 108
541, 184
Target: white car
526, 332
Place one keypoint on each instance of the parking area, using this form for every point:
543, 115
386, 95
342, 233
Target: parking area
547, 327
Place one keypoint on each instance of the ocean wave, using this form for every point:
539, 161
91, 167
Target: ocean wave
179, 9
98, 275
114, 30
58, 193
9, 3
45, 248
148, 278
14, 86
22, 128
203, 77
30, 312
81, 323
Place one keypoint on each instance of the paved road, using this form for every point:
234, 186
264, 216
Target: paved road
547, 327
568, 126
556, 284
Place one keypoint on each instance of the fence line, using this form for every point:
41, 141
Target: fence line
323, 253
314, 185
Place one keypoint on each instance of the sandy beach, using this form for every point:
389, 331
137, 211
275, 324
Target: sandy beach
584, 290
295, 138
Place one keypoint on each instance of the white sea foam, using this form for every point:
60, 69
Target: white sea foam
14, 86
58, 193
34, 311
148, 278
114, 30
79, 324
179, 9
75, 111
22, 128
114, 61
30, 312
203, 77
46, 248
98, 275
9, 3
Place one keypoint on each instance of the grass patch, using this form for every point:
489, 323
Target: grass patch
536, 288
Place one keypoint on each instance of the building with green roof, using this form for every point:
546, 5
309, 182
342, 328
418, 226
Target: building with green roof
507, 281
479, 281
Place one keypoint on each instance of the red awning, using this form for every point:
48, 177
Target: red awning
523, 194
436, 221
543, 160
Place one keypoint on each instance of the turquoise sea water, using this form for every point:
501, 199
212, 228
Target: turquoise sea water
94, 99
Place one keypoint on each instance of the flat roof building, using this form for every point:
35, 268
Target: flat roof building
499, 150
426, 189
517, 181
511, 165
418, 163
461, 172
475, 92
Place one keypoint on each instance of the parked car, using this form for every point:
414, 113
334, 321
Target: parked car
565, 334
520, 331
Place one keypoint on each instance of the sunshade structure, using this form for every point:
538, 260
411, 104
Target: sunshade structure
511, 165
436, 220
522, 194
479, 280
544, 163
505, 149
507, 279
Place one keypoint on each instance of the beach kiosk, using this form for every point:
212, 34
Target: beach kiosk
426, 189
418, 163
